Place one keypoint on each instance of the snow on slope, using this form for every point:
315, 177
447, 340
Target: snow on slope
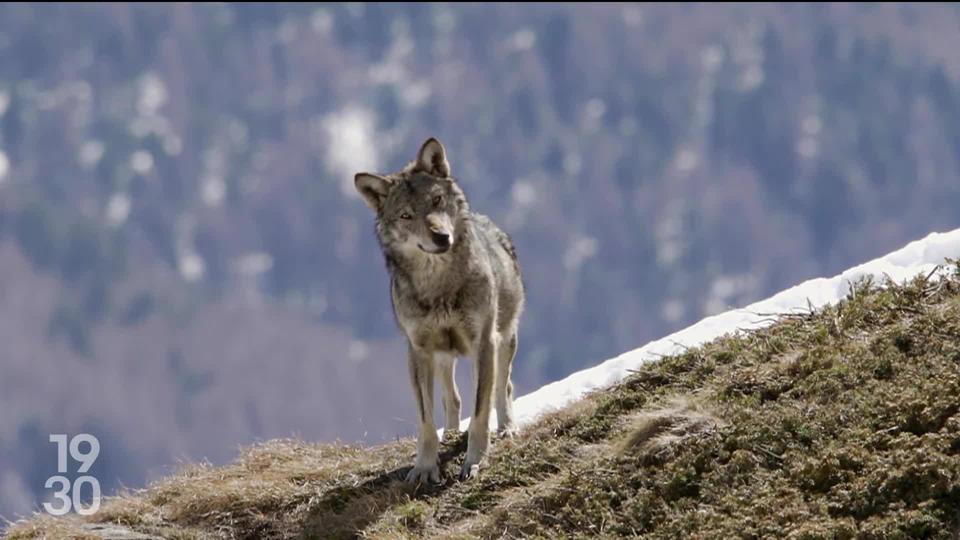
920, 256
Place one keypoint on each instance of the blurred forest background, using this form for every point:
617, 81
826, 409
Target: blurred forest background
185, 267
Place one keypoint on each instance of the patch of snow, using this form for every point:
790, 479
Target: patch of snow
192, 267
350, 145
90, 153
711, 57
673, 310
141, 162
523, 40
917, 257
687, 160
321, 21
523, 193
153, 94
213, 190
578, 251
118, 209
593, 113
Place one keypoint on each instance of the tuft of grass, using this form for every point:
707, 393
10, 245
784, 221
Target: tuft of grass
651, 432
412, 515
838, 423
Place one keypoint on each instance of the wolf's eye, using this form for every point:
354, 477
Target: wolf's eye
405, 215
437, 199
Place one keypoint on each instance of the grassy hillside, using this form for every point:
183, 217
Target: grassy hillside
839, 423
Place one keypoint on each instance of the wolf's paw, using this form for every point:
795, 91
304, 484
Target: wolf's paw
507, 432
469, 470
423, 474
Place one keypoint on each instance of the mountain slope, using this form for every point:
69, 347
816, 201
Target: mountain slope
837, 422
918, 257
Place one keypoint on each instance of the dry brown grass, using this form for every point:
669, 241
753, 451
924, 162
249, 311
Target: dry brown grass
842, 423
652, 431
269, 491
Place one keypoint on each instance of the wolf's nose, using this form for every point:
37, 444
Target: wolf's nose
442, 240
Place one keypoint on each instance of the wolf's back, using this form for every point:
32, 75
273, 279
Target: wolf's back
500, 249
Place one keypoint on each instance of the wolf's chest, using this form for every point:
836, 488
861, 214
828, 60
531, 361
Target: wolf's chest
450, 339
440, 331
436, 324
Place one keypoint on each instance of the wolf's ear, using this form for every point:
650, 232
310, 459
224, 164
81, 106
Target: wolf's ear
433, 158
373, 188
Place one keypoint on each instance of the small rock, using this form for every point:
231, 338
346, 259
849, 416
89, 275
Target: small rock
117, 532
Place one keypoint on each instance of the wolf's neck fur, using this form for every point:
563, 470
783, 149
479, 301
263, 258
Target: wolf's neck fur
429, 275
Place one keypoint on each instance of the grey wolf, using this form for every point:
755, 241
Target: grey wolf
456, 291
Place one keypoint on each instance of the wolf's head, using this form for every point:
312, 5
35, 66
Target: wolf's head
419, 209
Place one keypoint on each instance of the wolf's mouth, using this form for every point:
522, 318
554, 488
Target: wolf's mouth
434, 251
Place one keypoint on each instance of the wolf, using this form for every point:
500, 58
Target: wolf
456, 291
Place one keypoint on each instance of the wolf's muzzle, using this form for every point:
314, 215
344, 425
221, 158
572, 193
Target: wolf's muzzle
441, 240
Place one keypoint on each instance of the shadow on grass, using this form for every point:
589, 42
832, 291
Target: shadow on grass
346, 511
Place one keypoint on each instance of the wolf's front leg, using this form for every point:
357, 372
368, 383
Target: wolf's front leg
478, 438
425, 467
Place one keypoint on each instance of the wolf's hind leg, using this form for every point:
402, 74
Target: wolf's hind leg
425, 467
445, 365
504, 388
